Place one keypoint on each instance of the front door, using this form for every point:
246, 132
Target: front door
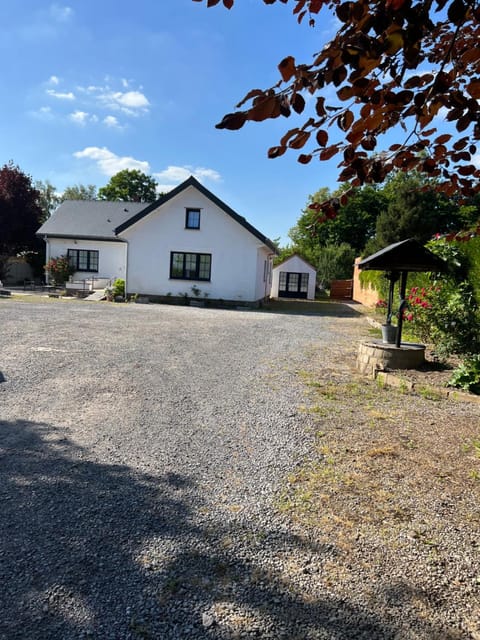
292, 285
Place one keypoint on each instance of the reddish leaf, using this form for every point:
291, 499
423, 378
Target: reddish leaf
369, 143
285, 138
232, 121
319, 107
212, 3
345, 93
442, 139
299, 140
466, 170
457, 11
254, 93
329, 152
304, 159
264, 108
228, 4
345, 120
275, 152
322, 138
298, 103
461, 144
464, 122
287, 68
473, 88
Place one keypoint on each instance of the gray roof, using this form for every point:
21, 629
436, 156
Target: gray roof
95, 219
104, 220
193, 182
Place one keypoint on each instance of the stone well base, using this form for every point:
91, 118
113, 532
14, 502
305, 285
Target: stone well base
375, 355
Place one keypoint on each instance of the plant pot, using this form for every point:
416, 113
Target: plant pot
389, 333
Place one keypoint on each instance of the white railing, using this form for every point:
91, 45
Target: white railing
89, 284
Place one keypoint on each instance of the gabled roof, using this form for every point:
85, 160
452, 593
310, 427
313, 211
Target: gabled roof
193, 182
407, 255
89, 219
295, 255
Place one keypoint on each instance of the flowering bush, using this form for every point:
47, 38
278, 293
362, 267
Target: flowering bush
381, 304
444, 314
59, 269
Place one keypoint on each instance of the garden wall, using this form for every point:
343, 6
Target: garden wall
364, 294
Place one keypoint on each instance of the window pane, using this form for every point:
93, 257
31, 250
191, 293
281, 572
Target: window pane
93, 266
82, 259
204, 267
293, 282
190, 266
72, 257
177, 265
304, 283
283, 280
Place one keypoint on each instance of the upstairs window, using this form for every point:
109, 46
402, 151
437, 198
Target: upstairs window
190, 266
83, 259
192, 219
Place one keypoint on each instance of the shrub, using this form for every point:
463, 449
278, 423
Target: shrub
59, 269
118, 288
467, 375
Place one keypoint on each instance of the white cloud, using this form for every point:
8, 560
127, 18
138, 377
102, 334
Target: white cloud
112, 122
109, 163
61, 13
79, 117
132, 99
82, 117
44, 113
174, 174
476, 160
60, 95
130, 102
54, 80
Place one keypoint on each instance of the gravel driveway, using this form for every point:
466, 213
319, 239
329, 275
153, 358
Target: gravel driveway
141, 449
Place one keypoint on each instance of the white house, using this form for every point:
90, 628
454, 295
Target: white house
294, 278
187, 242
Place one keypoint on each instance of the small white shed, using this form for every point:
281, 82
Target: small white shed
294, 278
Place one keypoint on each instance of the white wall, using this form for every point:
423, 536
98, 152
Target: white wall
295, 265
111, 256
236, 253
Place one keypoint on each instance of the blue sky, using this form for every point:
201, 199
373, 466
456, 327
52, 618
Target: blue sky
89, 88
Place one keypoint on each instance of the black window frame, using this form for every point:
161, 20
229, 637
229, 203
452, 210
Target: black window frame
93, 258
198, 266
188, 224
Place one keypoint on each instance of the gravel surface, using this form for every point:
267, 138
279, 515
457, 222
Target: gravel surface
144, 451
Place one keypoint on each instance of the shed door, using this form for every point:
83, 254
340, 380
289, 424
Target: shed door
292, 284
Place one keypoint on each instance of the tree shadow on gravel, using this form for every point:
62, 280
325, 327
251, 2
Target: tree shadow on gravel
311, 308
90, 550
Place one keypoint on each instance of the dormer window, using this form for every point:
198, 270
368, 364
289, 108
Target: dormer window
192, 219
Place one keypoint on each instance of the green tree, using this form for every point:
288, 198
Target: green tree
334, 262
354, 224
129, 185
48, 198
20, 214
414, 210
79, 192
